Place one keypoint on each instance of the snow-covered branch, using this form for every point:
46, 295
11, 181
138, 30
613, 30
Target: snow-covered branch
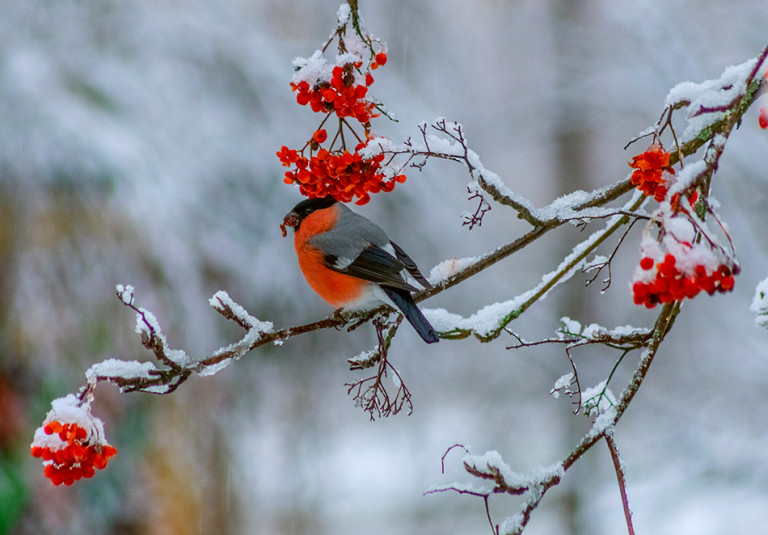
174, 366
716, 108
491, 467
489, 322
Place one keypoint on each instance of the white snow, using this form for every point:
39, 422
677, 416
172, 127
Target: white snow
595, 331
256, 329
563, 382
598, 399
489, 318
759, 304
512, 524
712, 93
483, 322
447, 268
237, 350
222, 299
316, 68
686, 176
146, 324
709, 95
396, 381
127, 369
491, 462
125, 293
492, 465
596, 262
69, 409
569, 326
342, 15
379, 144
311, 69
363, 356
604, 422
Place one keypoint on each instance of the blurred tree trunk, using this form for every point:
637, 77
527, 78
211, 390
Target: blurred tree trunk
572, 142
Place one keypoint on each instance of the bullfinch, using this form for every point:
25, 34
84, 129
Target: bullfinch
350, 262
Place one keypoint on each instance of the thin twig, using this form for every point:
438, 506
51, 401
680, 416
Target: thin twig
613, 448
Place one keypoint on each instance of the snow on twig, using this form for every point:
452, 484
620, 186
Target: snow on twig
488, 322
173, 366
711, 100
491, 467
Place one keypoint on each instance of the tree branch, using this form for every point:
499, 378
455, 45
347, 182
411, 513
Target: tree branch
618, 466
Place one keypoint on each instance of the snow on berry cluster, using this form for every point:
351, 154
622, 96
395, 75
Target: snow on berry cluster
680, 266
669, 283
683, 259
71, 442
340, 90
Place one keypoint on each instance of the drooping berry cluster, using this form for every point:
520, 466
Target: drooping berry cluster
75, 456
342, 175
670, 283
684, 259
651, 171
70, 442
340, 90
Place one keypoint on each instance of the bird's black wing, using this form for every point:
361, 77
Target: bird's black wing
373, 264
410, 265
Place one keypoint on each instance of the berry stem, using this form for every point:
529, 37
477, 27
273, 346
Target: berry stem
343, 121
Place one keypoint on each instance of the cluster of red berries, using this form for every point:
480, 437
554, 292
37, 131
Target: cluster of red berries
342, 175
341, 95
335, 171
75, 457
671, 284
648, 176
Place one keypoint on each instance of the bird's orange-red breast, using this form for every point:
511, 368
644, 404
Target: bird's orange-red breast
336, 288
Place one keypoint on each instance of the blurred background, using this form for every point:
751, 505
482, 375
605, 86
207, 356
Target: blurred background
137, 143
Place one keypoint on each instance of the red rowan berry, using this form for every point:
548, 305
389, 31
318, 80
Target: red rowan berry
646, 263
320, 136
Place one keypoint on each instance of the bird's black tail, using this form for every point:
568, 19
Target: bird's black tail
403, 300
